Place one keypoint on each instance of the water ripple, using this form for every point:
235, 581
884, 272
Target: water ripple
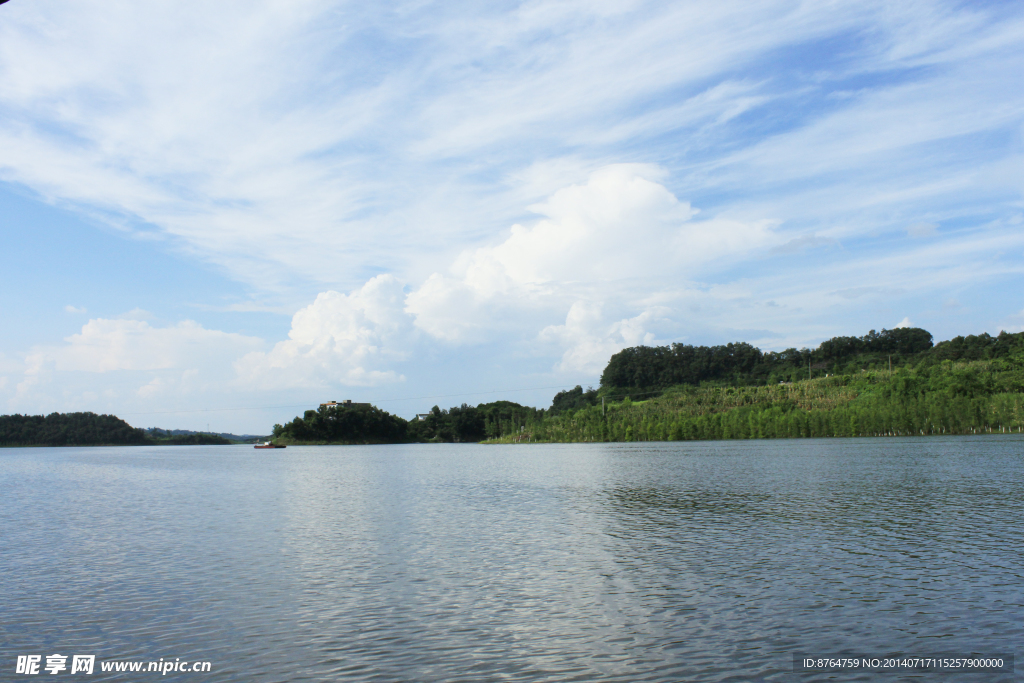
611, 562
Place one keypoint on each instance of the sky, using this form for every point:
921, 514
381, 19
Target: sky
219, 215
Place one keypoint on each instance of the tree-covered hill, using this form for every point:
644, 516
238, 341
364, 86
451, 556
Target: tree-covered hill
889, 383
343, 425
90, 429
658, 367
68, 429
370, 425
949, 397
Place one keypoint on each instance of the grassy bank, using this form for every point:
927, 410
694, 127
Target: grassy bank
933, 398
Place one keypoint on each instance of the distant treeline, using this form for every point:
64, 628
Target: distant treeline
658, 367
69, 429
187, 437
88, 429
193, 439
371, 425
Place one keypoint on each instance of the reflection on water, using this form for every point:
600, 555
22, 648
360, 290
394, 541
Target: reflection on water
703, 561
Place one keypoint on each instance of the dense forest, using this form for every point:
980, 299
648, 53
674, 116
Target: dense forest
69, 429
90, 429
369, 424
740, 364
890, 383
344, 425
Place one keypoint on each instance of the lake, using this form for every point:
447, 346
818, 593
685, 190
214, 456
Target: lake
705, 561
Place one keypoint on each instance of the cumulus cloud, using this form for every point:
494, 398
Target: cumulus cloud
128, 344
338, 339
150, 359
904, 323
589, 340
607, 244
616, 225
74, 309
574, 281
616, 234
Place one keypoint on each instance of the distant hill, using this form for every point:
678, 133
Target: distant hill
69, 429
190, 439
159, 434
362, 424
892, 383
741, 364
90, 429
367, 424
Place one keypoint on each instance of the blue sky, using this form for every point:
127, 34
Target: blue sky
219, 215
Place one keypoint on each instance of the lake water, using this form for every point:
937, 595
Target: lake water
713, 561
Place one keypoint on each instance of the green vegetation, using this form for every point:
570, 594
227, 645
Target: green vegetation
892, 382
466, 423
371, 425
90, 429
343, 425
162, 437
70, 429
643, 368
967, 385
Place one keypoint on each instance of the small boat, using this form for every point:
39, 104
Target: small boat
267, 444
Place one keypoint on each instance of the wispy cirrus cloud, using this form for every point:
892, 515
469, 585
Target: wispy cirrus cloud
239, 133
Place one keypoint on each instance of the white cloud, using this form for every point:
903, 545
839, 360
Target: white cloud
619, 238
620, 224
238, 132
140, 359
154, 387
76, 310
589, 341
338, 339
903, 323
619, 235
128, 344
